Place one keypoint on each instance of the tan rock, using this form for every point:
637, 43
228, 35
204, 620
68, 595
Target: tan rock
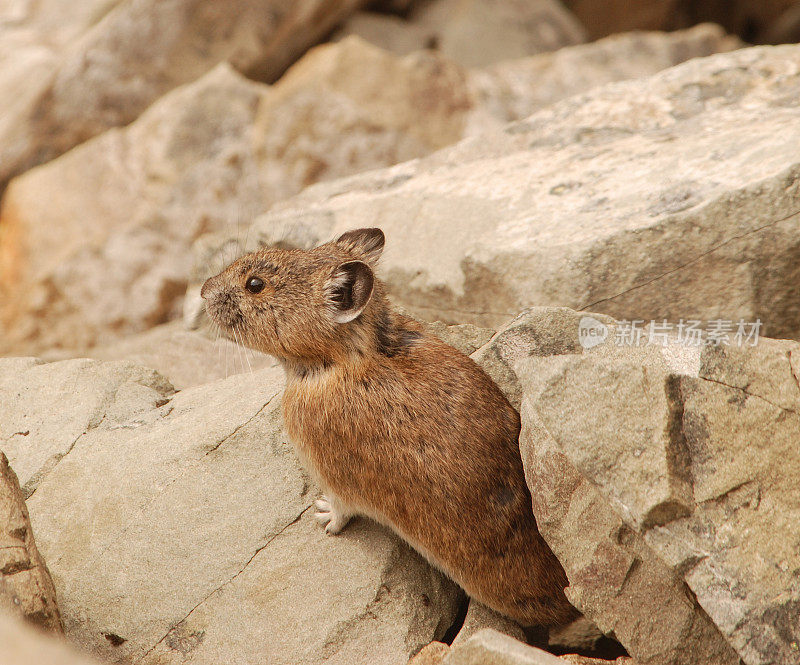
479, 32
79, 266
480, 617
134, 52
191, 537
82, 264
489, 647
349, 107
187, 358
21, 644
26, 588
663, 479
432, 654
621, 200
504, 93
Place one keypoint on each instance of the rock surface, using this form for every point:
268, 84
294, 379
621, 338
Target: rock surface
479, 617
664, 479
490, 647
191, 538
26, 588
119, 57
85, 264
670, 197
187, 358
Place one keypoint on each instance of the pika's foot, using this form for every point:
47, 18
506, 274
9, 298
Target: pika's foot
331, 514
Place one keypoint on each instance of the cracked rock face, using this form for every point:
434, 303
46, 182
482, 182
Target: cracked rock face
179, 527
674, 196
665, 480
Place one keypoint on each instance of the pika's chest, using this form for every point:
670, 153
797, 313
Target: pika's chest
321, 408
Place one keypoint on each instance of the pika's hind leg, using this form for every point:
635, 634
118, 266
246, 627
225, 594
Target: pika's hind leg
332, 513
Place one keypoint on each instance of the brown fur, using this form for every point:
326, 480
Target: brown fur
395, 423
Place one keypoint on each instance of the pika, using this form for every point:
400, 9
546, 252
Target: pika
392, 422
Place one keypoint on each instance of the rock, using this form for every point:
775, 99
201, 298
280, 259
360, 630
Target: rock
83, 264
391, 33
480, 617
601, 18
663, 478
575, 659
26, 588
580, 635
349, 107
476, 32
503, 92
199, 500
187, 358
137, 51
464, 337
21, 644
36, 436
620, 201
432, 654
489, 647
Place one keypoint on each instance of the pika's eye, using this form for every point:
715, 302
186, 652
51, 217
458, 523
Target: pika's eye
254, 285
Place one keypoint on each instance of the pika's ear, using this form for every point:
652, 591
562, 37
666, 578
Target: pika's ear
349, 290
365, 243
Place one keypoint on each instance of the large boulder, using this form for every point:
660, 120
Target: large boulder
26, 588
670, 197
79, 261
80, 265
191, 537
664, 476
113, 59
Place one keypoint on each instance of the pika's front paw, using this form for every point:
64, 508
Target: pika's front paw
331, 514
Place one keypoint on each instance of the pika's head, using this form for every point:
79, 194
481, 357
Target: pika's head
305, 306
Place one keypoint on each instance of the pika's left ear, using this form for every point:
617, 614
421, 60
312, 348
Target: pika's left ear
367, 244
349, 290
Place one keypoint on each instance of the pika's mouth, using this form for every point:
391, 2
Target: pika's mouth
221, 305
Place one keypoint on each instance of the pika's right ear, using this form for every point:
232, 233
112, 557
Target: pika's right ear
349, 290
365, 243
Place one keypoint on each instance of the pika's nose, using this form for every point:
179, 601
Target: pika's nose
208, 285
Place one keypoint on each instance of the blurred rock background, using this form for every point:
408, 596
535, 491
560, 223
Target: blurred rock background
632, 160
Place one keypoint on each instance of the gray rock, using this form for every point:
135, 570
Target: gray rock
490, 647
209, 156
48, 407
190, 535
621, 201
479, 618
187, 358
663, 479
